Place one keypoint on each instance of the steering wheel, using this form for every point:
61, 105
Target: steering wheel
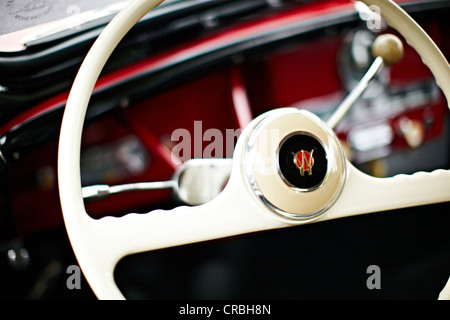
263, 192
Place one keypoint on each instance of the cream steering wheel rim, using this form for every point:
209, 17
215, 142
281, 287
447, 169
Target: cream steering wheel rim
100, 244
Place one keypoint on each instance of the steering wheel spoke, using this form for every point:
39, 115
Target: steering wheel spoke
231, 213
366, 194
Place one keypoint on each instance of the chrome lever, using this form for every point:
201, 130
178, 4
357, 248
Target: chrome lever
388, 50
100, 191
196, 182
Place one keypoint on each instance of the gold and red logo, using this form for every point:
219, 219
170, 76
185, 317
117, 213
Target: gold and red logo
304, 161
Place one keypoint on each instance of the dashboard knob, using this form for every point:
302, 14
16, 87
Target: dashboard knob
388, 47
413, 132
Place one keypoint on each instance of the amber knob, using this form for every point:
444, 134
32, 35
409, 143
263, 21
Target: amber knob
388, 47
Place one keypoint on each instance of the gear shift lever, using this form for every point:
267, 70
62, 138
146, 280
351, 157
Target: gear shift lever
388, 50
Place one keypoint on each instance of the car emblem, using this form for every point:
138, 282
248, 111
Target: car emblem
304, 161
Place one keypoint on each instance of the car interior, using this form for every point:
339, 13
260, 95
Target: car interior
207, 68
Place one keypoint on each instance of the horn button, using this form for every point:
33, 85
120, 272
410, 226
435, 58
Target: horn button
295, 164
